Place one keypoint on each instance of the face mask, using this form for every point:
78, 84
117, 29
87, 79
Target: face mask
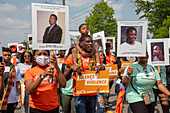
42, 60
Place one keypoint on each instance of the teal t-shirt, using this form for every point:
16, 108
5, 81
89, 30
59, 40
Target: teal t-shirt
163, 76
68, 90
143, 80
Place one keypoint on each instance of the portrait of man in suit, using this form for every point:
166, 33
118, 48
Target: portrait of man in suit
53, 33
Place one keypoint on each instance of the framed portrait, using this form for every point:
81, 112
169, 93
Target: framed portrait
158, 52
13, 47
99, 41
20, 48
73, 36
50, 26
111, 41
29, 36
131, 38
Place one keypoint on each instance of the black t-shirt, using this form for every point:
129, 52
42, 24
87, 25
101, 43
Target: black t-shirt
168, 74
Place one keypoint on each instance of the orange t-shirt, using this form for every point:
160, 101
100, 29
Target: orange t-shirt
85, 66
110, 59
45, 97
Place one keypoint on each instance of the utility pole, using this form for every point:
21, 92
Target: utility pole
63, 2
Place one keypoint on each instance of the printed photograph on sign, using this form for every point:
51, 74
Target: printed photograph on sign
20, 48
99, 41
158, 52
13, 47
73, 36
50, 26
29, 36
1, 53
132, 38
111, 41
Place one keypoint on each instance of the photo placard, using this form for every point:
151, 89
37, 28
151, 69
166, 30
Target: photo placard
50, 26
158, 52
111, 41
131, 38
99, 41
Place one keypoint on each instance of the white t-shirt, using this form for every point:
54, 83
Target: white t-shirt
12, 96
125, 47
23, 69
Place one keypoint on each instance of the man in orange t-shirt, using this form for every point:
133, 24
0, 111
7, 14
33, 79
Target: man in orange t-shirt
84, 103
110, 59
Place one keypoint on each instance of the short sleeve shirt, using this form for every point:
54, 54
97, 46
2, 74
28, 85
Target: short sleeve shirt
12, 96
163, 75
45, 97
85, 65
143, 80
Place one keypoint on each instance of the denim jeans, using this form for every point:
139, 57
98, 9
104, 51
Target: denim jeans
101, 100
85, 104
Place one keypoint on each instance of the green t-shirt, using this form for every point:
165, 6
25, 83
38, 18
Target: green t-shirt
142, 81
68, 90
163, 76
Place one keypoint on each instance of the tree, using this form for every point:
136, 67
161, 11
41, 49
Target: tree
156, 12
101, 18
163, 32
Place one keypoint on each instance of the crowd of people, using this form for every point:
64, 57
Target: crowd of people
49, 85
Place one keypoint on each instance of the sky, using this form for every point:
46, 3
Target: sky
15, 15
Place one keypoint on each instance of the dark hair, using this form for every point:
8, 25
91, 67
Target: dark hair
81, 26
83, 38
37, 50
22, 57
130, 29
6, 50
70, 51
108, 45
12, 46
54, 16
104, 61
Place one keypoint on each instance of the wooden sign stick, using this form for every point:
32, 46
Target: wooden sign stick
51, 64
159, 70
131, 62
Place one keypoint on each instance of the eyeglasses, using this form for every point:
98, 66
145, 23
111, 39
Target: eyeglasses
27, 56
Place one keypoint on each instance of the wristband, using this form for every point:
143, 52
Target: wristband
128, 76
42, 77
97, 64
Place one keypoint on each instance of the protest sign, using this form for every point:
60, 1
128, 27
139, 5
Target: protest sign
99, 41
50, 26
111, 41
158, 52
113, 71
131, 38
92, 83
124, 64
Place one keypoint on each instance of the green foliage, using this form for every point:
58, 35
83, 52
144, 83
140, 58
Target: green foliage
156, 12
163, 32
101, 19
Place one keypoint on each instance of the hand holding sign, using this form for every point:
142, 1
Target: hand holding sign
100, 67
2, 68
130, 70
